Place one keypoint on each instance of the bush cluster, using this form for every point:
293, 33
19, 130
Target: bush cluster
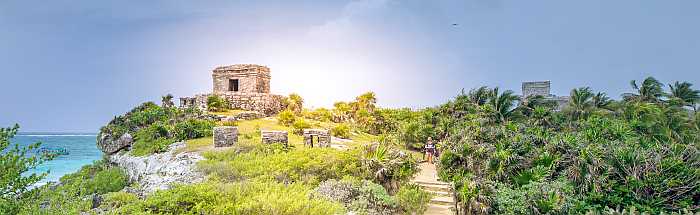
251, 197
73, 194
366, 197
303, 165
594, 156
217, 104
154, 127
342, 131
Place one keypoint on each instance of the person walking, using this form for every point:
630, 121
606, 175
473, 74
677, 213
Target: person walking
430, 150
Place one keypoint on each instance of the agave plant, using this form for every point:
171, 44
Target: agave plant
387, 166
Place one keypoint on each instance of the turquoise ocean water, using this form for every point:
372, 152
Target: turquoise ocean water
81, 150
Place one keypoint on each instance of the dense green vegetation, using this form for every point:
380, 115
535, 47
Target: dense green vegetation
154, 127
511, 156
504, 154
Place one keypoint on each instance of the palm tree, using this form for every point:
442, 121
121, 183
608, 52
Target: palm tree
601, 100
684, 93
503, 104
649, 91
479, 96
581, 102
167, 101
528, 105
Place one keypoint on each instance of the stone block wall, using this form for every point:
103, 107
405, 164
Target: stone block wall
324, 137
251, 78
536, 88
225, 136
267, 104
274, 137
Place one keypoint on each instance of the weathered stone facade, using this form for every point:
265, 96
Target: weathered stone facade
539, 88
543, 88
323, 136
245, 86
225, 136
246, 78
269, 137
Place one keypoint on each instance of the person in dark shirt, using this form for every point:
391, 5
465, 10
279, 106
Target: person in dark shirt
430, 150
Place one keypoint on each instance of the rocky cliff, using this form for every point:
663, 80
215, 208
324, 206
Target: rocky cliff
159, 171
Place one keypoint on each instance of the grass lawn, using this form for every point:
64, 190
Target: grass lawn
248, 134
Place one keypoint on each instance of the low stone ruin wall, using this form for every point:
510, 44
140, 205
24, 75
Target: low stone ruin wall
267, 104
269, 137
225, 136
264, 103
324, 137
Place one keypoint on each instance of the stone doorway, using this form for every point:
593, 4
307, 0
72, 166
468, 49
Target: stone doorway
233, 85
317, 137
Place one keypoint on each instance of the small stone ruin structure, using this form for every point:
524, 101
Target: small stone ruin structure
244, 86
269, 137
322, 136
225, 136
543, 88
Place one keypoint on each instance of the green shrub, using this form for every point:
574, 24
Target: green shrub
373, 199
143, 147
320, 114
413, 199
119, 199
307, 165
342, 131
286, 117
153, 139
73, 194
217, 104
193, 128
299, 125
254, 197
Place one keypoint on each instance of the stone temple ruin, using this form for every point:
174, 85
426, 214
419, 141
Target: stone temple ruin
244, 86
543, 88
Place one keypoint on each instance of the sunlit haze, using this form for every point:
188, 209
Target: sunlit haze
73, 64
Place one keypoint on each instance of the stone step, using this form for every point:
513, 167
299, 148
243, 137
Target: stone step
438, 188
438, 183
441, 193
439, 209
441, 200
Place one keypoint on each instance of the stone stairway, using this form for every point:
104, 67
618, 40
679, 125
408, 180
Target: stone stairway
443, 201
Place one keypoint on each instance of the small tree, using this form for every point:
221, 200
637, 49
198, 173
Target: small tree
14, 161
167, 101
295, 103
216, 103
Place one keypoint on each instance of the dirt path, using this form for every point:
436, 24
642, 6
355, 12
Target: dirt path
443, 201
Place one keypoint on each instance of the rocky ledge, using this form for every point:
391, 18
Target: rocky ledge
159, 171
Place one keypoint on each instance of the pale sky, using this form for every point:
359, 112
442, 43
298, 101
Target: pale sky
73, 65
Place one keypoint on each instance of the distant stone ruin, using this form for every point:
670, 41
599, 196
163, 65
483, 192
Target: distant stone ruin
225, 136
269, 137
543, 88
319, 137
245, 86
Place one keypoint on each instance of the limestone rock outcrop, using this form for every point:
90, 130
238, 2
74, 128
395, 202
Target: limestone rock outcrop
109, 145
160, 171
